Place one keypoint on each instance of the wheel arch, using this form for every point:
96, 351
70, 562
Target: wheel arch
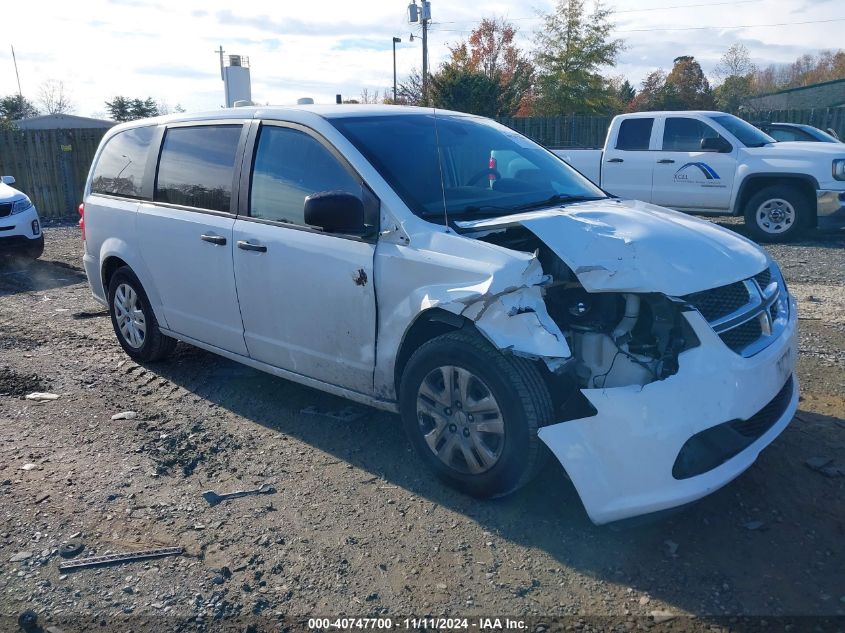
753, 183
115, 253
427, 325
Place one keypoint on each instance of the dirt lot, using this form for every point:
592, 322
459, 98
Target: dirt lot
356, 526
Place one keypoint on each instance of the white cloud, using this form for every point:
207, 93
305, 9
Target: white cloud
166, 50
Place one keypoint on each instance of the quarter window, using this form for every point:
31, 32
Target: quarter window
685, 135
290, 165
197, 166
634, 134
120, 169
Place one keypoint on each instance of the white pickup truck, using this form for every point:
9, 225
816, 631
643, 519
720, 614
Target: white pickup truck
716, 163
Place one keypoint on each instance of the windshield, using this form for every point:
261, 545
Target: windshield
821, 135
452, 166
744, 132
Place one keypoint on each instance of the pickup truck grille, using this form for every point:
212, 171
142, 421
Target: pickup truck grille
747, 315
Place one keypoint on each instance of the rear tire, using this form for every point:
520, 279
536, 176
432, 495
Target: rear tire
485, 444
778, 213
133, 319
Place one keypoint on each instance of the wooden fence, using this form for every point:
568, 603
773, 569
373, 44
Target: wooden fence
50, 166
573, 131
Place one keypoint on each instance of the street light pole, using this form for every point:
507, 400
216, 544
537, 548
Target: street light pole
396, 40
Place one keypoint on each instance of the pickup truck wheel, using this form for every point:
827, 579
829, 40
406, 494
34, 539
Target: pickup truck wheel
472, 414
777, 214
133, 320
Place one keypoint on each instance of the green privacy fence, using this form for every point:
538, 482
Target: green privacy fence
51, 165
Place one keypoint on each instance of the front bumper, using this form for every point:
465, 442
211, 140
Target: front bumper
21, 233
830, 209
621, 459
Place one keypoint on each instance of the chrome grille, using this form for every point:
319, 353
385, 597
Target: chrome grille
721, 301
764, 278
747, 315
743, 335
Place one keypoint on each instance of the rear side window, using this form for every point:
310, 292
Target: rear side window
685, 135
120, 169
781, 134
634, 134
197, 166
289, 166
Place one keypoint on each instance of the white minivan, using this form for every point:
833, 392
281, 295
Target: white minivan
444, 267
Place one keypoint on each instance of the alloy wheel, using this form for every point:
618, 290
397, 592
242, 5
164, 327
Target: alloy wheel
129, 316
460, 419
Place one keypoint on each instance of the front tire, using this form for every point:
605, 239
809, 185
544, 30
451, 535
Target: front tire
472, 414
133, 319
777, 214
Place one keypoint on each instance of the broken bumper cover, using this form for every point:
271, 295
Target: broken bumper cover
621, 460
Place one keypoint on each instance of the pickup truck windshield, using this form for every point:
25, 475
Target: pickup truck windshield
451, 166
744, 132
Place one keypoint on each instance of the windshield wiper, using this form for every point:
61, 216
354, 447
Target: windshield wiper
557, 198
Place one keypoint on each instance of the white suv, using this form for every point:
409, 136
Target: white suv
444, 267
20, 228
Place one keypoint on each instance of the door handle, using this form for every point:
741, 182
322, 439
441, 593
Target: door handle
247, 246
616, 160
214, 239
665, 161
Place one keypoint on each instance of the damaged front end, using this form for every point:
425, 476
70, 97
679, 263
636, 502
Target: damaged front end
655, 405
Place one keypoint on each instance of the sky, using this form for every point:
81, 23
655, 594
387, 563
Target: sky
140, 48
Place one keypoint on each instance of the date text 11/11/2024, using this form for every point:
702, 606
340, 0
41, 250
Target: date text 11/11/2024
412, 623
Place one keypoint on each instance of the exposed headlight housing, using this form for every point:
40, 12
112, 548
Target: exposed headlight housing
839, 169
21, 204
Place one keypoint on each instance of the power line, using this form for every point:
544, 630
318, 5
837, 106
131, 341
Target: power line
738, 26
694, 28
614, 11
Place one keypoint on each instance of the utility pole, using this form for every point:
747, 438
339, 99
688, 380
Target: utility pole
220, 50
15, 61
422, 14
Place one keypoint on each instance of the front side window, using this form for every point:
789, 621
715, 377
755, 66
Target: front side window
197, 166
120, 169
634, 134
290, 165
447, 166
685, 135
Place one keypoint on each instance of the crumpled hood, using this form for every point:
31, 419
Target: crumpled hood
631, 246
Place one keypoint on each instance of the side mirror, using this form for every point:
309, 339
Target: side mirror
8, 180
716, 144
335, 212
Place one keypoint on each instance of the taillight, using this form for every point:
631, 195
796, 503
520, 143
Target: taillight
82, 219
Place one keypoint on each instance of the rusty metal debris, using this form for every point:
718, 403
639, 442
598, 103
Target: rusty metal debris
214, 498
71, 549
124, 557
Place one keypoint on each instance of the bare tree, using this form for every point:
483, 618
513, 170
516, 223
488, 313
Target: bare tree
736, 62
369, 97
54, 97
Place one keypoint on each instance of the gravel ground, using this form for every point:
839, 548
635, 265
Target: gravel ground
356, 526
